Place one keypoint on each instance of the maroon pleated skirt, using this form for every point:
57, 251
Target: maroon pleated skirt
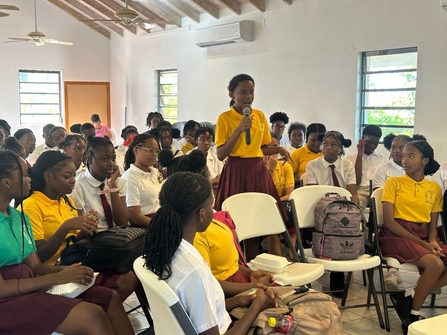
40, 313
241, 175
404, 250
238, 277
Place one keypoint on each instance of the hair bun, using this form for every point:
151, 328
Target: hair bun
165, 157
197, 159
347, 142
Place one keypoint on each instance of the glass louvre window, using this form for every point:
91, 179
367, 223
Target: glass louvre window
40, 97
389, 90
168, 94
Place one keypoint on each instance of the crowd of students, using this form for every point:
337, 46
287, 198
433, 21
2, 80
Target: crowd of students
81, 183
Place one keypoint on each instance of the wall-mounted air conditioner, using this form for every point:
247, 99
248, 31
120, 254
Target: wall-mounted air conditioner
236, 32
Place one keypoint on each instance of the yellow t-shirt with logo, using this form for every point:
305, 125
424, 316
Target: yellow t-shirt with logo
413, 201
228, 122
301, 157
283, 177
46, 217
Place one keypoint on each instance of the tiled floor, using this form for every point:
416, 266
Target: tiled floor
362, 321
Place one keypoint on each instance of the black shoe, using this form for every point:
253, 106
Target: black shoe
402, 305
337, 283
414, 318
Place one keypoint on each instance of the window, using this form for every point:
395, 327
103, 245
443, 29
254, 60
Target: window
388, 92
167, 99
40, 97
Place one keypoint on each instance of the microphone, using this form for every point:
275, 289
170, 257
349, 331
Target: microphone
246, 111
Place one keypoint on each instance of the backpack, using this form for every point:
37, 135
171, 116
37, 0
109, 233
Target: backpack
110, 251
337, 231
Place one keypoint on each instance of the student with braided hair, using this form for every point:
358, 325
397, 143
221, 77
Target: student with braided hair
14, 146
24, 306
74, 146
143, 179
186, 201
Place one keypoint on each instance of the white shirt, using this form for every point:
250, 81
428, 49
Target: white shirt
213, 163
85, 195
384, 171
120, 152
142, 189
38, 151
284, 141
369, 164
290, 149
197, 289
440, 176
319, 172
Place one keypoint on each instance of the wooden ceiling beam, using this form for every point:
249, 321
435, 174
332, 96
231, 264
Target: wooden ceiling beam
87, 11
116, 7
232, 5
259, 4
163, 11
79, 16
208, 7
187, 10
289, 2
143, 10
108, 13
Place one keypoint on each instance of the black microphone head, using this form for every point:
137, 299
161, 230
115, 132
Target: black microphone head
246, 111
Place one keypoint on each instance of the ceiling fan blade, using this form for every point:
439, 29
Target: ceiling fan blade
38, 43
53, 41
20, 39
9, 7
2, 14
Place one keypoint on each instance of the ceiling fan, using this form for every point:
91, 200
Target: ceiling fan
130, 17
7, 7
35, 36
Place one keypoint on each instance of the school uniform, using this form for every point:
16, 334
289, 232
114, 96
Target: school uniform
301, 157
283, 177
319, 172
198, 291
284, 141
85, 195
384, 171
143, 189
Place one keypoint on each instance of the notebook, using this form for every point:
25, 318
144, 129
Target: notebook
71, 290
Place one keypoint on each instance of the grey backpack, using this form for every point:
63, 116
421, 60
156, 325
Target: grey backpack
337, 232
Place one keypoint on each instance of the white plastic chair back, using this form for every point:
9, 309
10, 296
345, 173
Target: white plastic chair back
303, 180
168, 314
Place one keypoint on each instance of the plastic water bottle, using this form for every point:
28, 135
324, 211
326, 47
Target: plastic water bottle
282, 324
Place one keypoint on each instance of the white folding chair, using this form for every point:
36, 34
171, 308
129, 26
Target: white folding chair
168, 314
257, 214
303, 201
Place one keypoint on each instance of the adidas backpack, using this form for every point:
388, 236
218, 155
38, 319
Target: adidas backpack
337, 233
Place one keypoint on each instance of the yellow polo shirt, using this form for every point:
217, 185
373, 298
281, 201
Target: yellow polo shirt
46, 216
228, 122
187, 147
413, 201
216, 245
283, 177
301, 157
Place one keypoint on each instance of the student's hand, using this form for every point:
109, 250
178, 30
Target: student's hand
285, 154
76, 273
244, 300
112, 180
271, 162
268, 291
85, 223
262, 277
263, 301
435, 249
361, 146
245, 124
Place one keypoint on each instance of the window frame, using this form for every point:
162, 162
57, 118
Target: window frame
59, 114
363, 90
159, 98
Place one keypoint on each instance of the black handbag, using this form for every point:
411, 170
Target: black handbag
113, 250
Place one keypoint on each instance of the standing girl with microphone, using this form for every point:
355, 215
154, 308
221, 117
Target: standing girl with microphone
242, 136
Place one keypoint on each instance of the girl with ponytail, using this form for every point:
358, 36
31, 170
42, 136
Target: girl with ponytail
411, 206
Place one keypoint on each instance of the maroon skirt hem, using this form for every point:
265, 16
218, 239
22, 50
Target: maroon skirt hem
238, 277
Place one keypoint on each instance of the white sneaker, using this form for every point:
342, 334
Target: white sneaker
391, 280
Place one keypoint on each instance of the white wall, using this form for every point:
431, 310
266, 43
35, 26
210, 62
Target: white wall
88, 59
304, 60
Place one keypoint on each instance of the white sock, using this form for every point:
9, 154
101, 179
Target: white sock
415, 312
409, 291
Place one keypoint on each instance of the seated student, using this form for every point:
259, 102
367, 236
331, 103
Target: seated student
99, 187
14, 146
6, 127
167, 142
331, 169
204, 137
87, 130
57, 135
74, 146
310, 151
54, 217
48, 144
76, 128
189, 130
100, 130
411, 205
128, 133
216, 244
365, 161
186, 201
282, 175
297, 133
279, 120
153, 119
27, 139
143, 180
24, 306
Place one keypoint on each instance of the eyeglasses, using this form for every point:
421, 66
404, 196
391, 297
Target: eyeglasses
277, 125
206, 140
150, 150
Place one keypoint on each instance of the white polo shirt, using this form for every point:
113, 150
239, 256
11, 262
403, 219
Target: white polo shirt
198, 291
440, 176
143, 189
32, 158
85, 195
384, 171
369, 164
284, 141
318, 172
